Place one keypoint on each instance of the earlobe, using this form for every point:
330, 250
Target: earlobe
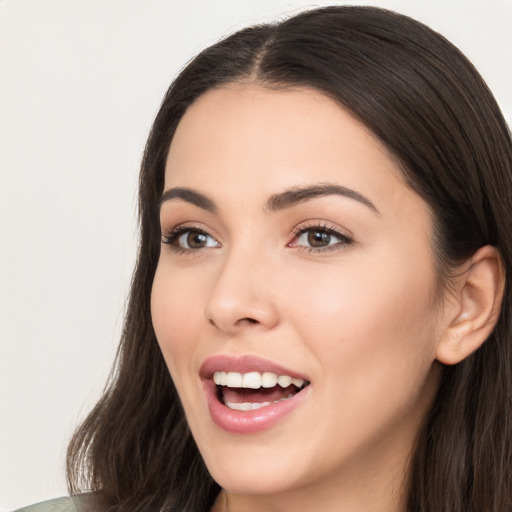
475, 306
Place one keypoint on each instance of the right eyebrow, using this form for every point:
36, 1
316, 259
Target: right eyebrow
190, 196
298, 195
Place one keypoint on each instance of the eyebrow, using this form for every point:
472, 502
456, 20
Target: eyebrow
279, 201
298, 195
190, 196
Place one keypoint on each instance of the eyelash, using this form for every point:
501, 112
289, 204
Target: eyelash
344, 240
172, 237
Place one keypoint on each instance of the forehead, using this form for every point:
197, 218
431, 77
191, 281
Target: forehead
257, 141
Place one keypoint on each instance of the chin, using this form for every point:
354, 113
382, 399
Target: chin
263, 465
245, 479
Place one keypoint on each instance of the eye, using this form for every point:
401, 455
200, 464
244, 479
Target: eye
319, 238
182, 239
316, 238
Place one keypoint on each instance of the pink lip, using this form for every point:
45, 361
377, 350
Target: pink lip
246, 422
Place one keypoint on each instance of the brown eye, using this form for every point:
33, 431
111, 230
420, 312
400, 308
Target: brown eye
196, 240
320, 239
192, 239
317, 238
189, 240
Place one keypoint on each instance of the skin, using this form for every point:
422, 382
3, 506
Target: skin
362, 320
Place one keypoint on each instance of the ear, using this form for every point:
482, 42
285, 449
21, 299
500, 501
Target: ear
474, 308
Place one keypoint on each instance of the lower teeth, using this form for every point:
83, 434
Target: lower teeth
252, 406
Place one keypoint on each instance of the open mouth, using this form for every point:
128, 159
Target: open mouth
253, 390
248, 394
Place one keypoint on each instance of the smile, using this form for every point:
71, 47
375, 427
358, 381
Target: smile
251, 400
238, 390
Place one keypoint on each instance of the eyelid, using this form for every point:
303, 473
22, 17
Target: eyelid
170, 236
345, 237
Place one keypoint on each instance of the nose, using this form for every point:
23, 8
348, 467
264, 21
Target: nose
243, 295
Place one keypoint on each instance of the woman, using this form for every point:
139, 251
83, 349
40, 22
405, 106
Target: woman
319, 316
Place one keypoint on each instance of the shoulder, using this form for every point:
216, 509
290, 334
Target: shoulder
74, 504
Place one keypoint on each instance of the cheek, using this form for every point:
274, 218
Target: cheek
174, 304
369, 320
361, 296
371, 336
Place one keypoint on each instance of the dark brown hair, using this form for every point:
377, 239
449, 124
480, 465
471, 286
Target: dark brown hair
423, 99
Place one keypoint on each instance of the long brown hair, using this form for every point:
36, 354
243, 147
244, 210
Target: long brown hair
417, 93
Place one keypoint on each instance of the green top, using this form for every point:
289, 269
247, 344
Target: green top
57, 505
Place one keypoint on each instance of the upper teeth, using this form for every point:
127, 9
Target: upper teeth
255, 380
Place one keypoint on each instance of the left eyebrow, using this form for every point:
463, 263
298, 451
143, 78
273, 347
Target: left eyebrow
190, 196
298, 195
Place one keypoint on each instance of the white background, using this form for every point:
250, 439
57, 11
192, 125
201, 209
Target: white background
80, 82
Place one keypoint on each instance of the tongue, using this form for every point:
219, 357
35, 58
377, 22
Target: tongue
241, 395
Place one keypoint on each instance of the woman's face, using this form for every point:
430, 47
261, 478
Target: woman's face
292, 248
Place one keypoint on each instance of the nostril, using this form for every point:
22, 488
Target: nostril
238, 323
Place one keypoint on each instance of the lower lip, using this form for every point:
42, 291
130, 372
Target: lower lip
248, 422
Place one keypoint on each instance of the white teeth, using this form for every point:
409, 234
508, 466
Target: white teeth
284, 381
268, 380
246, 406
234, 380
252, 406
251, 380
298, 382
220, 378
255, 380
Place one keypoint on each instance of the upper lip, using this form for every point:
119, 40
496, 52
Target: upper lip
244, 364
